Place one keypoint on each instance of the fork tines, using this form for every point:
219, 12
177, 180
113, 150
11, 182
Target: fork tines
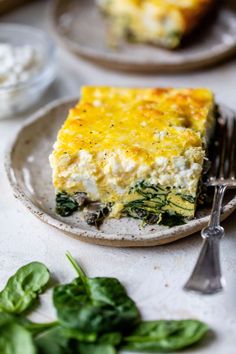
222, 152
232, 152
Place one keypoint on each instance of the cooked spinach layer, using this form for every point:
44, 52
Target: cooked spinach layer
154, 205
66, 204
158, 205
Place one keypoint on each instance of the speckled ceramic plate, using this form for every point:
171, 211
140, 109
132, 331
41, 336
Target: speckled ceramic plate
83, 29
29, 173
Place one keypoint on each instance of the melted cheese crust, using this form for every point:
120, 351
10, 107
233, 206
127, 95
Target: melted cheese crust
115, 137
162, 22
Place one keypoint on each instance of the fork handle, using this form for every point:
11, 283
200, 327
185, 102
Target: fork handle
217, 206
206, 277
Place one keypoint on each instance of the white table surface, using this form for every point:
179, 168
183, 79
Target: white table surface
153, 277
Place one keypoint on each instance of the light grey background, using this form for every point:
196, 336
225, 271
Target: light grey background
153, 277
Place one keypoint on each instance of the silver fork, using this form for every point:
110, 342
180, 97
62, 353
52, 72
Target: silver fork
206, 277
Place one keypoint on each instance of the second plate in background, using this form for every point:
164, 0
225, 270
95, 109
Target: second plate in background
83, 30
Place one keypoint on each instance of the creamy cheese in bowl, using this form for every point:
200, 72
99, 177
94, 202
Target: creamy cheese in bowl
18, 64
27, 67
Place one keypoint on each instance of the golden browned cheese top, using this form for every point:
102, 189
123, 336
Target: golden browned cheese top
144, 123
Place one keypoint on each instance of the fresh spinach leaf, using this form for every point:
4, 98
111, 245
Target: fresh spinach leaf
36, 328
160, 336
6, 318
85, 348
95, 316
72, 333
52, 341
23, 288
113, 338
32, 327
94, 305
15, 339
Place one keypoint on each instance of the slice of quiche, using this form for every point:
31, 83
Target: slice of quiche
133, 152
161, 22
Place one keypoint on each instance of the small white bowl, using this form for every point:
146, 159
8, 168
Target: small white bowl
17, 98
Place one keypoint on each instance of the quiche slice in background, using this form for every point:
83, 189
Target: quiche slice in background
133, 152
160, 22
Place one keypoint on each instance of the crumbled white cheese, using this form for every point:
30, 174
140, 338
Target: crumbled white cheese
179, 129
160, 135
143, 124
128, 165
179, 163
97, 103
161, 161
142, 171
112, 165
18, 64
